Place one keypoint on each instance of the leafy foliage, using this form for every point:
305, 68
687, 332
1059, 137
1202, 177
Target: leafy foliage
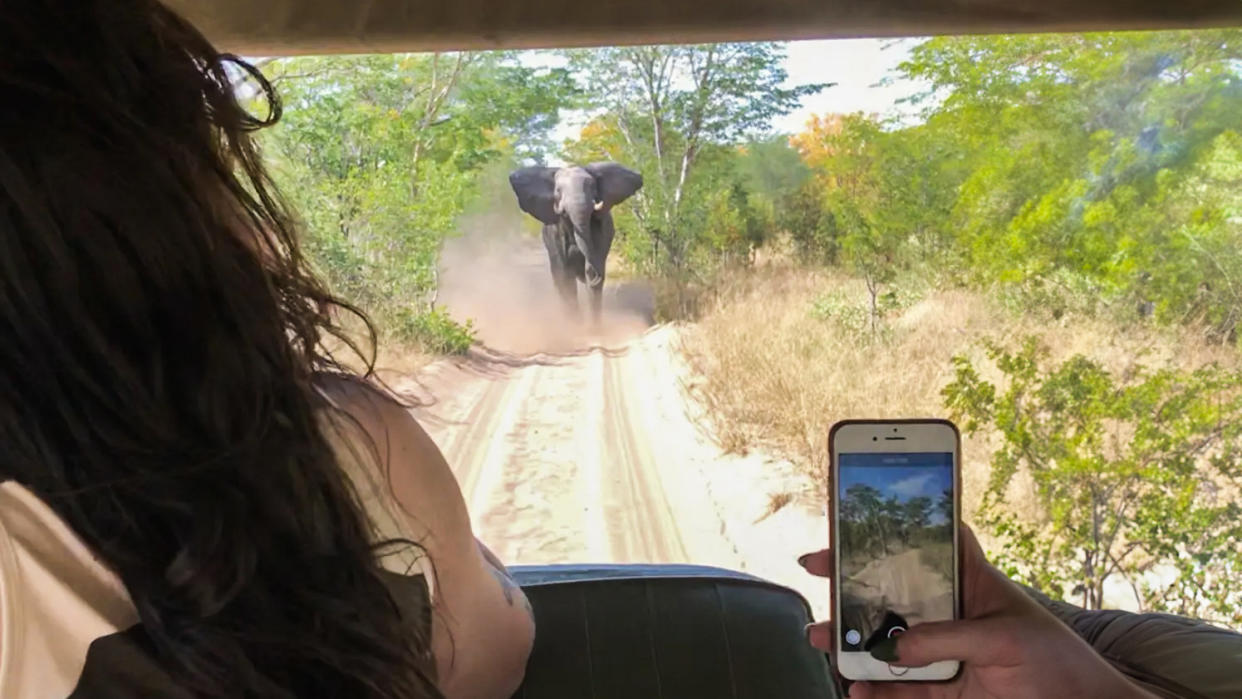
381, 154
676, 113
1075, 171
1134, 475
435, 331
862, 321
878, 196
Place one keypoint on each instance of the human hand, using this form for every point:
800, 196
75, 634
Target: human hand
1009, 645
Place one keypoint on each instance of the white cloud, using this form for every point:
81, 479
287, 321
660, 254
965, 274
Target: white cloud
913, 486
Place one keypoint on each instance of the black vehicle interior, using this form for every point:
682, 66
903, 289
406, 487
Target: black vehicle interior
284, 27
667, 631
690, 631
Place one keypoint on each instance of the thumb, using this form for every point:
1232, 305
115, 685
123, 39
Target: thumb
981, 642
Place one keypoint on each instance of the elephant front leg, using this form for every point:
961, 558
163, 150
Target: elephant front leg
597, 303
567, 289
560, 264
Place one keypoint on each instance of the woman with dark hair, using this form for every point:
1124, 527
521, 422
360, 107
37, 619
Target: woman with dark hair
197, 497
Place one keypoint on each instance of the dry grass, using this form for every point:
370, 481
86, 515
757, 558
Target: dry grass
772, 374
776, 502
397, 361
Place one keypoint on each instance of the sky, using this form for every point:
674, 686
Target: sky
930, 478
904, 482
855, 65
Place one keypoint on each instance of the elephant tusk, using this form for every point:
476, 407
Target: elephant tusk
599, 206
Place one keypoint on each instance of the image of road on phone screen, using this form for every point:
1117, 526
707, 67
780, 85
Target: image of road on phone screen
896, 543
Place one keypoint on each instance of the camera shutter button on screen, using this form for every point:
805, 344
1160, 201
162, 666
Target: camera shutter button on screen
897, 669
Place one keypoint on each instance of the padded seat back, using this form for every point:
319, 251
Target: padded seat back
675, 631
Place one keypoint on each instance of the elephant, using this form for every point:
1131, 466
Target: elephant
574, 204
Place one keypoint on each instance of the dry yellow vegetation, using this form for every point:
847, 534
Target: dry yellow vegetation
774, 374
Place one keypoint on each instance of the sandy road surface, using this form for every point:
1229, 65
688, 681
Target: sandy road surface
597, 457
575, 446
553, 455
902, 583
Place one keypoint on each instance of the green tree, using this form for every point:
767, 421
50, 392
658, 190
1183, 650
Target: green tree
1179, 250
804, 215
894, 521
945, 508
868, 508
1134, 475
677, 112
871, 228
917, 511
382, 153
1076, 172
1071, 147
734, 227
772, 171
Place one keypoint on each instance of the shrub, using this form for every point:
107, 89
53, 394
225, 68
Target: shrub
1133, 474
435, 330
854, 315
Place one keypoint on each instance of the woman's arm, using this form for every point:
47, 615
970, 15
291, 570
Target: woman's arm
483, 629
512, 591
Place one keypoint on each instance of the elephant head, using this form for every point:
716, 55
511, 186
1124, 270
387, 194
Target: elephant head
577, 200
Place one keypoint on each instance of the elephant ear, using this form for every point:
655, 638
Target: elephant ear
534, 187
614, 183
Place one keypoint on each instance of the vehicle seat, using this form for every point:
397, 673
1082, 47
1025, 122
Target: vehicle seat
675, 631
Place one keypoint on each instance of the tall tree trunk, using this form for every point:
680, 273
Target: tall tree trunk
695, 131
437, 95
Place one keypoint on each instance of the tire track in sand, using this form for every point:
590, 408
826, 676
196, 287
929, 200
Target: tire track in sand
641, 523
552, 458
475, 450
538, 505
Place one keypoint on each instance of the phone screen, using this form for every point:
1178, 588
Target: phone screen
895, 512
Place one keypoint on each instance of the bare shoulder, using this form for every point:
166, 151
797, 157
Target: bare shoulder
384, 420
481, 634
411, 463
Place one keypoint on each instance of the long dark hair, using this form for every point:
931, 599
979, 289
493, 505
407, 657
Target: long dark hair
160, 340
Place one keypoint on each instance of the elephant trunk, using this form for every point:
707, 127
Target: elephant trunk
581, 215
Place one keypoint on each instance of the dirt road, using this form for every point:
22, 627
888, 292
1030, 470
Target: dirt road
577, 446
903, 583
554, 456
597, 457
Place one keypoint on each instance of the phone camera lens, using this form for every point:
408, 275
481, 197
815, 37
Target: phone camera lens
874, 438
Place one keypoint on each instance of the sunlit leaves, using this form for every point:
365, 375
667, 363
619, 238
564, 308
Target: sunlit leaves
677, 114
381, 154
1081, 171
1133, 475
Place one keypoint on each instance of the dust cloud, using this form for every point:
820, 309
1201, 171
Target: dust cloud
496, 274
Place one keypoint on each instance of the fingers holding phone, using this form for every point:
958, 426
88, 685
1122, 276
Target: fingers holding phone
915, 601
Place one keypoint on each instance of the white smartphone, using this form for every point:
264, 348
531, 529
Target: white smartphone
895, 501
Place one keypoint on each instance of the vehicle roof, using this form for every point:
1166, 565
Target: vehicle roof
285, 27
